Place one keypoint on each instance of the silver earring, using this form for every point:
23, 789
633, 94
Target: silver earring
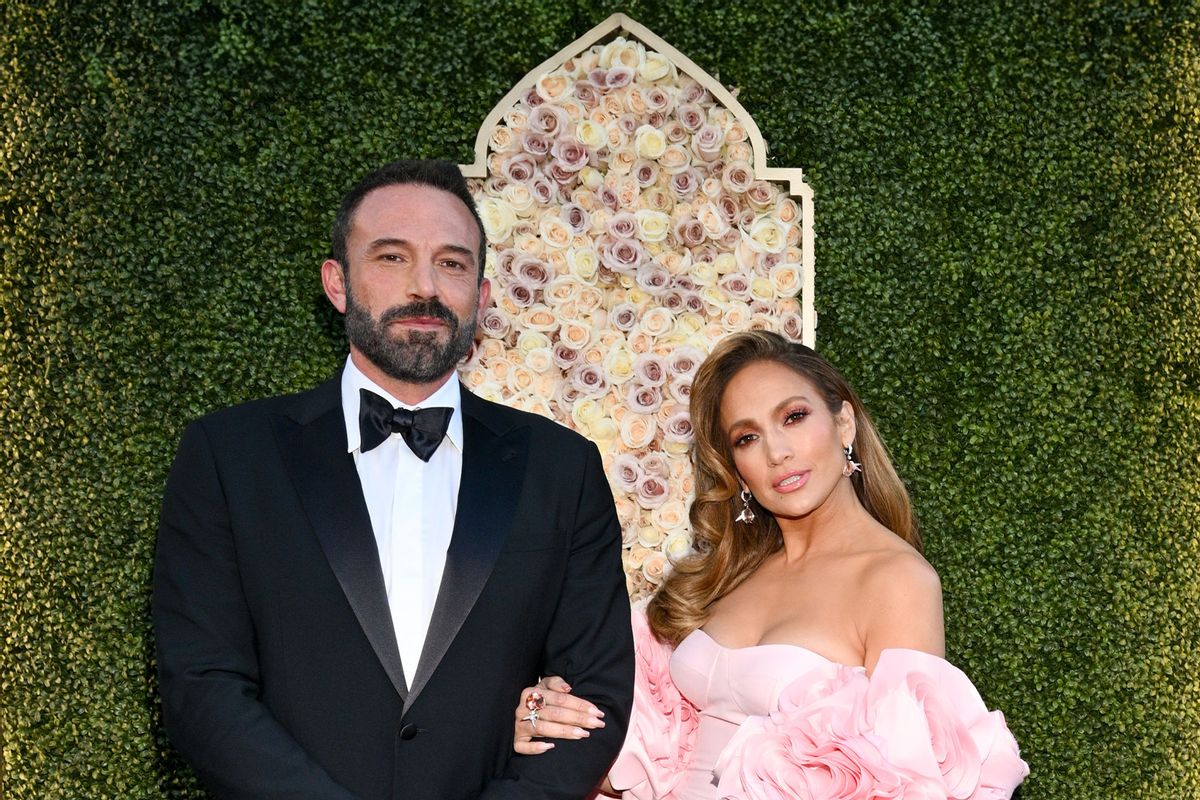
747, 514
852, 466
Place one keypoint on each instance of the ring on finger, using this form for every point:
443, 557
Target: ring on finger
534, 701
531, 718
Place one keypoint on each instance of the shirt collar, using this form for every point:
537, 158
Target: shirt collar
448, 395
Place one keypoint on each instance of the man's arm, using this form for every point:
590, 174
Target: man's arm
590, 643
207, 665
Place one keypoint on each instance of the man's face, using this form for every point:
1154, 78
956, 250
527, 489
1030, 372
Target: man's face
412, 294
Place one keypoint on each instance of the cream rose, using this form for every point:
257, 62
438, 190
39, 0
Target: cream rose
657, 321
554, 87
555, 232
652, 226
670, 516
649, 141
638, 430
618, 365
498, 219
575, 335
766, 235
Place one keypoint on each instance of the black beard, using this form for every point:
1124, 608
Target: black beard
417, 358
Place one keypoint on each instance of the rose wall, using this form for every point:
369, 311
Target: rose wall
1005, 211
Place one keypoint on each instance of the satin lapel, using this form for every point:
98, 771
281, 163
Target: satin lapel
493, 472
314, 449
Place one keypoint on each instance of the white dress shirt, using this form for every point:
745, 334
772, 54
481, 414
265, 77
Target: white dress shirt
412, 504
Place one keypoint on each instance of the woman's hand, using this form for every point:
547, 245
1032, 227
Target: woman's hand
549, 710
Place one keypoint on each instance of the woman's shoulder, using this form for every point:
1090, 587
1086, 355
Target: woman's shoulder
887, 565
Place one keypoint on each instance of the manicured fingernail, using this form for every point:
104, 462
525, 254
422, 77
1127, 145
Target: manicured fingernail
546, 746
581, 733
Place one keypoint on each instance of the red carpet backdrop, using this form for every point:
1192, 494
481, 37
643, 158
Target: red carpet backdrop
993, 236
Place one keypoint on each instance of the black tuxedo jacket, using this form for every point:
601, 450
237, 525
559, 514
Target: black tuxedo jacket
278, 665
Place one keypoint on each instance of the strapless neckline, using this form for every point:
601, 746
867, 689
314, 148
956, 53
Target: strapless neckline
788, 645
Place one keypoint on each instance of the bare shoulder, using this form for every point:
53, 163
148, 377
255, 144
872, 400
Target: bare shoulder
902, 605
899, 570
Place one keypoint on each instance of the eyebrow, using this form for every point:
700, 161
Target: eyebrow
379, 244
775, 410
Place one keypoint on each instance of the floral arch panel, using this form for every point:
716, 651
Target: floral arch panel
632, 223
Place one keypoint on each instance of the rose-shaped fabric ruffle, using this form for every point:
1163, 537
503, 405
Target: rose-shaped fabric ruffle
662, 727
915, 729
937, 726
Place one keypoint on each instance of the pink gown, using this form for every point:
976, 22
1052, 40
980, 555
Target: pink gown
779, 721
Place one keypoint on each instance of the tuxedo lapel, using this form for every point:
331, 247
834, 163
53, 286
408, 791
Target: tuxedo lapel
313, 444
494, 457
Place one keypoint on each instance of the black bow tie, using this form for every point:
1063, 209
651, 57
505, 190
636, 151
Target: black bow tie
422, 429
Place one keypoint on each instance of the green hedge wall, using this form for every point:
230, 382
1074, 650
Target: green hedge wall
1006, 200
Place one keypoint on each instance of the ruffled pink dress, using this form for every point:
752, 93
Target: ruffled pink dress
779, 721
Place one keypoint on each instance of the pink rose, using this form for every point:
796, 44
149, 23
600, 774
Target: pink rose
494, 324
576, 217
541, 189
691, 117
570, 154
673, 301
531, 271
608, 197
535, 144
675, 132
623, 256
623, 316
650, 369
550, 120
692, 92
653, 277
645, 172
652, 491
531, 98
564, 355
678, 428
520, 168
618, 77
520, 294
656, 464
586, 93
656, 98
626, 471
643, 399
684, 361
707, 142
561, 174
589, 379
684, 184
623, 225
689, 232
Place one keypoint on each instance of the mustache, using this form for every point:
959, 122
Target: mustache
421, 308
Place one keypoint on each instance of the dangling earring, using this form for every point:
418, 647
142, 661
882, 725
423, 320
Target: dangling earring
852, 466
747, 514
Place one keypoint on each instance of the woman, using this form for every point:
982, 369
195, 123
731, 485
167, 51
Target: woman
804, 637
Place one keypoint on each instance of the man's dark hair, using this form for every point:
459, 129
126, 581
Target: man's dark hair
439, 174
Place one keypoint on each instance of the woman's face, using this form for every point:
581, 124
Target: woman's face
787, 446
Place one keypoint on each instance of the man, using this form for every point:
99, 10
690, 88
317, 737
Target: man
347, 601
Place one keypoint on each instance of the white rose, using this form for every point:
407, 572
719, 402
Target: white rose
649, 141
498, 219
653, 226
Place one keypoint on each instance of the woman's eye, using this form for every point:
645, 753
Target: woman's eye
744, 439
795, 416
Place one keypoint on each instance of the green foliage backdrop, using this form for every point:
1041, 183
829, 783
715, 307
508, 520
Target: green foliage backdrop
1007, 258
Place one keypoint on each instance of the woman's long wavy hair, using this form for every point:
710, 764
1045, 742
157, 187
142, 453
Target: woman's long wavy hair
725, 552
